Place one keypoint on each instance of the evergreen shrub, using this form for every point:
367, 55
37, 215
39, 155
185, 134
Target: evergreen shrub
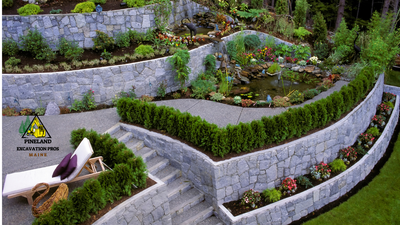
281, 7
10, 47
84, 7
251, 41
7, 3
102, 41
135, 3
320, 30
29, 9
300, 13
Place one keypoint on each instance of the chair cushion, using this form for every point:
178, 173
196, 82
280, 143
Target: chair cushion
71, 167
62, 166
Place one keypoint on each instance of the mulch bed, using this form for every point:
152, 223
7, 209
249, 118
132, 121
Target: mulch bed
94, 217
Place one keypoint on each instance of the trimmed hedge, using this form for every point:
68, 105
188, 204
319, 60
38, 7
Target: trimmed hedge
110, 185
245, 137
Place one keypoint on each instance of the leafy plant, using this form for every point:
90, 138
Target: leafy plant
102, 41
285, 27
25, 111
179, 63
55, 11
320, 30
247, 102
87, 102
251, 197
296, 97
301, 52
34, 43
321, 50
348, 154
106, 55
161, 91
7, 3
122, 39
300, 13
289, 185
176, 95
337, 165
201, 88
210, 62
70, 49
237, 100
302, 180
99, 1
162, 12
320, 171
281, 7
40, 111
220, 18
217, 97
272, 195
84, 7
374, 131
9, 111
280, 102
270, 42
12, 61
10, 47
309, 94
274, 68
337, 69
144, 49
135, 3
146, 98
301, 32
29, 9
251, 41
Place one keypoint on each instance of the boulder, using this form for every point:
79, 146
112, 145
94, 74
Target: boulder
52, 109
244, 73
301, 70
295, 68
269, 64
309, 69
317, 71
245, 80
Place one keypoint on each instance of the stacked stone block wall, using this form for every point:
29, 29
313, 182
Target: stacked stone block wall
150, 206
227, 180
297, 206
81, 27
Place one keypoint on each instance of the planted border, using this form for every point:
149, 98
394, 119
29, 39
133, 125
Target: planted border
109, 186
293, 208
245, 137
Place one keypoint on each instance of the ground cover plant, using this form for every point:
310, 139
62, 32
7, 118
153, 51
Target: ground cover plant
109, 186
318, 174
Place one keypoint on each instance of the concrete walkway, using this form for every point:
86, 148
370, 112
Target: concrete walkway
17, 210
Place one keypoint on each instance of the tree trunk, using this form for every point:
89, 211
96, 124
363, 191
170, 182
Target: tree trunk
273, 4
372, 7
385, 8
396, 8
358, 9
340, 13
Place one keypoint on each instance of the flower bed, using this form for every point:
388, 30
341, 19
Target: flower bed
294, 207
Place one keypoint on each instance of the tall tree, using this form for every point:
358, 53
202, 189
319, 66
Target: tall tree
385, 9
340, 13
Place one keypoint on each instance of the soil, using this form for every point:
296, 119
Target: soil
236, 208
94, 217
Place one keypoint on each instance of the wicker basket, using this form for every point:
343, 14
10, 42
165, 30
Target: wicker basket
61, 193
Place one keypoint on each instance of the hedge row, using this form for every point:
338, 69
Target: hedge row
245, 137
110, 185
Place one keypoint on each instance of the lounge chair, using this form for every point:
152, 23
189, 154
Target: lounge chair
21, 183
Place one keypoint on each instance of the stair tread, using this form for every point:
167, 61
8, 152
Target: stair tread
212, 220
168, 170
143, 151
154, 161
193, 214
182, 200
177, 183
119, 133
132, 142
157, 163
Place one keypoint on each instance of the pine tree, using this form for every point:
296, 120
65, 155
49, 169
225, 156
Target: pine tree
320, 31
300, 13
281, 7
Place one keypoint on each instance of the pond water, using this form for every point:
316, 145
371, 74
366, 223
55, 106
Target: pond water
271, 86
200, 30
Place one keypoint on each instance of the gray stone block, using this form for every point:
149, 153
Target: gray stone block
52, 109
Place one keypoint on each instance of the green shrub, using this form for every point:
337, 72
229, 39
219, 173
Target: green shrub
135, 3
274, 68
70, 49
61, 213
106, 55
300, 13
81, 202
33, 42
122, 40
282, 128
296, 97
256, 4
29, 9
201, 88
217, 97
210, 62
7, 3
389, 104
321, 50
99, 1
179, 62
84, 7
55, 11
309, 94
281, 7
10, 47
144, 50
47, 54
96, 194
320, 30
301, 32
102, 41
251, 41
272, 195
374, 131
337, 165
302, 180
12, 61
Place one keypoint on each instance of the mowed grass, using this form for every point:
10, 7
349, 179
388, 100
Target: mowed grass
392, 78
378, 203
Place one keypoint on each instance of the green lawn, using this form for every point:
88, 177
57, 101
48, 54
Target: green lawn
378, 203
392, 78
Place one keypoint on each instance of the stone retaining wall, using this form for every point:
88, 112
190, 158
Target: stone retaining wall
227, 180
81, 27
297, 206
391, 89
150, 206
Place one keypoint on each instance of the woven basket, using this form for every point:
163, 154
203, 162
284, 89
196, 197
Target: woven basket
61, 193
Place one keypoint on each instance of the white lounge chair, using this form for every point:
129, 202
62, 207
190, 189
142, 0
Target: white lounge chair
21, 183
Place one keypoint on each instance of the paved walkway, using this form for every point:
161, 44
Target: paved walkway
17, 210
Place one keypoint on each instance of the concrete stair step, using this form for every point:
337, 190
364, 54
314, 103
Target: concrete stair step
156, 164
119, 133
212, 220
185, 201
178, 187
146, 153
168, 174
126, 137
131, 143
196, 214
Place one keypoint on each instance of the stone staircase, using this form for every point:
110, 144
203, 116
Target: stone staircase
187, 204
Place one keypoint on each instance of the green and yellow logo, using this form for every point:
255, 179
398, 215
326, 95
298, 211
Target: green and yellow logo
34, 128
